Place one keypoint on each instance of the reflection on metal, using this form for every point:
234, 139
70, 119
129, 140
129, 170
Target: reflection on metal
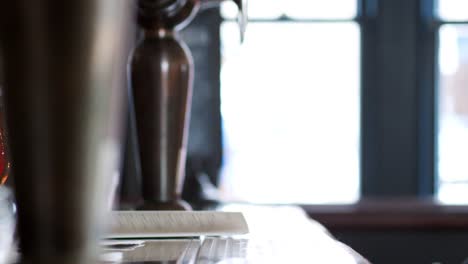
152, 224
277, 235
222, 250
161, 73
181, 250
189, 251
63, 65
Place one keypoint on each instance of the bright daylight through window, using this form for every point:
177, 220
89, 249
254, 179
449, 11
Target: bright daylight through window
453, 101
290, 98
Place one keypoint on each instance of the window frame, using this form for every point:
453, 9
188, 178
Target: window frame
399, 43
398, 115
383, 205
399, 99
417, 143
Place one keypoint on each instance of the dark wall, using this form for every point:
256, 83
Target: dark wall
204, 153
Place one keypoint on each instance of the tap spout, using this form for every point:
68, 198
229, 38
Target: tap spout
242, 17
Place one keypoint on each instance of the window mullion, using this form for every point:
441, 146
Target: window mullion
427, 106
390, 104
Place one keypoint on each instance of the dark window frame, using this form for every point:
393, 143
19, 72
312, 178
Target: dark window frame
412, 146
398, 91
405, 200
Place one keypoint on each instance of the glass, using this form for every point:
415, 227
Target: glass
452, 10
7, 223
63, 128
300, 9
453, 193
320, 9
257, 9
452, 112
4, 161
290, 102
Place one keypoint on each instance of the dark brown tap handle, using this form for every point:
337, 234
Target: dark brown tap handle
161, 75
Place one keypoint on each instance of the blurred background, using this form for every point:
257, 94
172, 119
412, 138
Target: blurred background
307, 114
355, 109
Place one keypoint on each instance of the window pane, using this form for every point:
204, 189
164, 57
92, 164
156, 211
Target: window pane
300, 9
452, 9
321, 9
453, 193
257, 9
290, 108
453, 112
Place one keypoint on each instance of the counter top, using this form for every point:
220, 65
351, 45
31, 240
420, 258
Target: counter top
277, 235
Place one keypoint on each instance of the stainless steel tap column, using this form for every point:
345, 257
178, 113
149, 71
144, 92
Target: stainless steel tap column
64, 67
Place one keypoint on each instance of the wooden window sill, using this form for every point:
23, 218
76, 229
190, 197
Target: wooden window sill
401, 213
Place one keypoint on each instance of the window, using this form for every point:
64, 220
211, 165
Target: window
290, 103
330, 101
452, 101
